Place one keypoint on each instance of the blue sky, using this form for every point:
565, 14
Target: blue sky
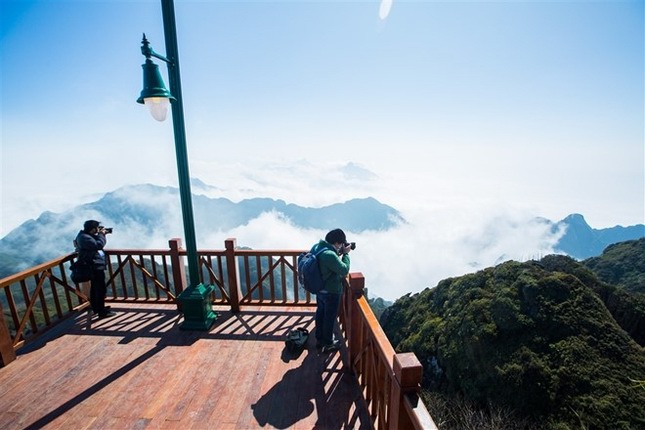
533, 106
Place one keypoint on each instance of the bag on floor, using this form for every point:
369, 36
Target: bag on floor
296, 340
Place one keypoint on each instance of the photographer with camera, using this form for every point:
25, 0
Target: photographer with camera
89, 245
334, 266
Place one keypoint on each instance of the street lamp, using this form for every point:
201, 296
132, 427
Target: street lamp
154, 94
194, 301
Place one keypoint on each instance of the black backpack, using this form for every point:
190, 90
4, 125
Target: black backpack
81, 271
296, 340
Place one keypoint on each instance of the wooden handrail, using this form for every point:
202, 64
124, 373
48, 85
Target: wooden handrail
390, 382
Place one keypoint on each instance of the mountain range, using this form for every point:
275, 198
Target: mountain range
147, 215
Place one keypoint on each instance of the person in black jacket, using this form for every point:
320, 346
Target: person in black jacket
89, 245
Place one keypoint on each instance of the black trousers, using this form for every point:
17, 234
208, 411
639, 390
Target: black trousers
97, 291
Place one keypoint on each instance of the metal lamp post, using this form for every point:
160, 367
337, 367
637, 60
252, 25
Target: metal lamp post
194, 301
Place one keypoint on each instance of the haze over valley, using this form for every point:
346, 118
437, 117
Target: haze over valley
399, 250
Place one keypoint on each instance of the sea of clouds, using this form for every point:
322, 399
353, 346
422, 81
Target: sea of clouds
442, 236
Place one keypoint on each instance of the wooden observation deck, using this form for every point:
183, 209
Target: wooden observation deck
63, 369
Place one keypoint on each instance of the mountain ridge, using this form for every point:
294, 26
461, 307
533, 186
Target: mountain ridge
143, 211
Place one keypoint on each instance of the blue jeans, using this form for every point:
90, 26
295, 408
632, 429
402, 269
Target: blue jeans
327, 305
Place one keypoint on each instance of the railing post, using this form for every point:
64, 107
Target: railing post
233, 274
354, 341
178, 266
7, 352
407, 379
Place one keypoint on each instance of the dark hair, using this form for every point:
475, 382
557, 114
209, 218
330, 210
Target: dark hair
90, 224
336, 236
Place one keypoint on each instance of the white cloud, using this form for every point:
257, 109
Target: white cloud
446, 234
431, 247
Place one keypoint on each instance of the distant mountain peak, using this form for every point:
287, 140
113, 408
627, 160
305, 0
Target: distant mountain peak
354, 171
581, 241
575, 219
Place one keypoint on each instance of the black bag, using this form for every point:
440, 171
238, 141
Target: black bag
81, 271
309, 275
296, 340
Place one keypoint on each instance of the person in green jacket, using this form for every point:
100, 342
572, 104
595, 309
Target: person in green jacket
334, 266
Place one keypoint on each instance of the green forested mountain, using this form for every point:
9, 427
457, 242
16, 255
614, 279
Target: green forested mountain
621, 264
538, 338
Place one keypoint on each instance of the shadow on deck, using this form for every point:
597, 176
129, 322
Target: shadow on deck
139, 370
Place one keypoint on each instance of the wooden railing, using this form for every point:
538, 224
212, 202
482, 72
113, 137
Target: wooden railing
239, 276
390, 382
36, 299
33, 301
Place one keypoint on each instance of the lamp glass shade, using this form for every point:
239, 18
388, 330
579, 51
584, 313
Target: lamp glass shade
158, 107
154, 93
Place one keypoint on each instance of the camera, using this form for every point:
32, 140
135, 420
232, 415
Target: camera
107, 229
352, 245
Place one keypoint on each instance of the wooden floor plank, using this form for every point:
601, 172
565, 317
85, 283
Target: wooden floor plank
59, 388
169, 379
208, 390
139, 370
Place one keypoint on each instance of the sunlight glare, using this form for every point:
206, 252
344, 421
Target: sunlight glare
384, 9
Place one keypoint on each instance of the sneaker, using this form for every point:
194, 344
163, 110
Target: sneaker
106, 314
331, 348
